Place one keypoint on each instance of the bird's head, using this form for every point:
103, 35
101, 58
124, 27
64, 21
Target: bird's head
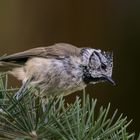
97, 66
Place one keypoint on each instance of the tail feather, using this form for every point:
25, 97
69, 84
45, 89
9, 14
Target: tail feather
7, 66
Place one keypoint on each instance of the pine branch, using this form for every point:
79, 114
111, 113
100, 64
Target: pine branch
25, 119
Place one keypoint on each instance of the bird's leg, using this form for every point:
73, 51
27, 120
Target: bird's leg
43, 104
44, 101
22, 89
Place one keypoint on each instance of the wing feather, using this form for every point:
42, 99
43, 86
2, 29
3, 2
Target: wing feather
54, 51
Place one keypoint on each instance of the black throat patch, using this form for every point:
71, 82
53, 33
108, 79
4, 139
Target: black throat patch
86, 75
87, 78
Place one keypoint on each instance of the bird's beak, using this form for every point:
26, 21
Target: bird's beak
109, 79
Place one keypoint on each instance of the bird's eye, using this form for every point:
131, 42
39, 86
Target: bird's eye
103, 66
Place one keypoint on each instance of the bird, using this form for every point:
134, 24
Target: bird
59, 69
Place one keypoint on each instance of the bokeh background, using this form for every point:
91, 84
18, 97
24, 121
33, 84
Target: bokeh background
108, 25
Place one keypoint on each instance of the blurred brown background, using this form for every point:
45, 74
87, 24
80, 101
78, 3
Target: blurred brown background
108, 25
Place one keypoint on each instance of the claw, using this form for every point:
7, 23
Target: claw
20, 92
18, 95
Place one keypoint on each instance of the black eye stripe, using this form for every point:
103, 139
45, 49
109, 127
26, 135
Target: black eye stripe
98, 55
91, 56
103, 66
94, 52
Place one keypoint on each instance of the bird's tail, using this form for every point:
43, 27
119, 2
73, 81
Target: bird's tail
8, 66
13, 69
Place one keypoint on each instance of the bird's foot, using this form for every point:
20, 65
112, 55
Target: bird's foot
17, 95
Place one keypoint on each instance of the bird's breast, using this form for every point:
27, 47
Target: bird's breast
56, 77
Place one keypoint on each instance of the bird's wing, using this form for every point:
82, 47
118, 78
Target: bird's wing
59, 50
